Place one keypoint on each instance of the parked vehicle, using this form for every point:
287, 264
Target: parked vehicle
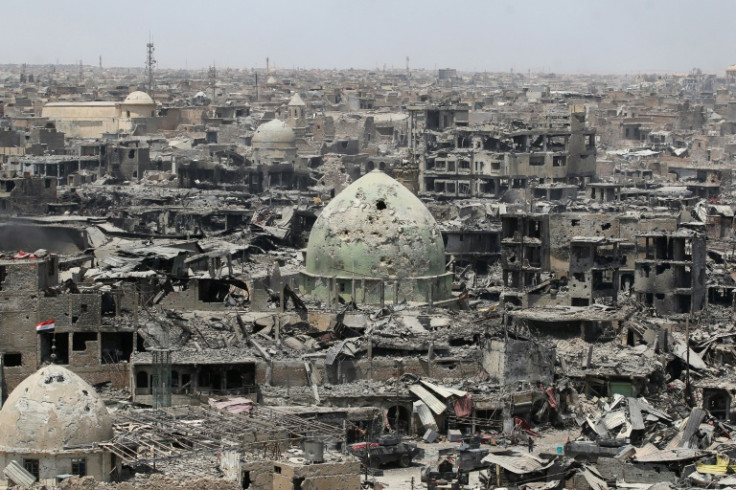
388, 449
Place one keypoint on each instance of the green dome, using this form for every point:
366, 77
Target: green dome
375, 228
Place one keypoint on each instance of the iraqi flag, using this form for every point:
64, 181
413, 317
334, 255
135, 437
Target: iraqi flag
45, 326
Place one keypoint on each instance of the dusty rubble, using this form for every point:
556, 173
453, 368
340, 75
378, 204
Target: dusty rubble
529, 278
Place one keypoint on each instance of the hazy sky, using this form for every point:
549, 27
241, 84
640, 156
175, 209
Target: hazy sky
582, 36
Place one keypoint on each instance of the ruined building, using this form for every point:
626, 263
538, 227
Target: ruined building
274, 158
376, 243
670, 271
477, 162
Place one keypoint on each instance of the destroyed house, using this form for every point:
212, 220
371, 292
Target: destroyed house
26, 195
88, 335
486, 163
524, 249
594, 270
670, 273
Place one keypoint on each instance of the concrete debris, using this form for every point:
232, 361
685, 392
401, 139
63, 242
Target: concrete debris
280, 278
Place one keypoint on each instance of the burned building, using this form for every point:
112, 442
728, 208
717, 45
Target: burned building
594, 270
308, 260
26, 195
475, 162
524, 252
670, 271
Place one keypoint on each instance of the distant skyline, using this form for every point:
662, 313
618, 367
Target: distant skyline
561, 36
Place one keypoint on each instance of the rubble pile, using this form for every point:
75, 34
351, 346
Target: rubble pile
308, 278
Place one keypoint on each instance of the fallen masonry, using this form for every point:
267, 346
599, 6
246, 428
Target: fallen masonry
345, 279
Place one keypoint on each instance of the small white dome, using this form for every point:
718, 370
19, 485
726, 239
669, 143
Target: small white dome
51, 409
274, 133
138, 98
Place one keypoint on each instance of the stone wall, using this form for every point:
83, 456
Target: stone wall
515, 361
323, 476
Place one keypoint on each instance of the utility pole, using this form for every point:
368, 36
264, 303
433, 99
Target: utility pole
150, 65
688, 393
257, 94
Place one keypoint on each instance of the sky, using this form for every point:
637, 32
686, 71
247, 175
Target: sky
561, 36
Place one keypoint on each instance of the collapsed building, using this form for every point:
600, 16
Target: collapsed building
256, 276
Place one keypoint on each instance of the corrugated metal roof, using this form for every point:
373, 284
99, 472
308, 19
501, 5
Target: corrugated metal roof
443, 391
650, 454
425, 415
518, 463
722, 210
594, 481
614, 419
432, 402
637, 422
14, 471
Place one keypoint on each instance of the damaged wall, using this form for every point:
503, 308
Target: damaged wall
516, 361
376, 229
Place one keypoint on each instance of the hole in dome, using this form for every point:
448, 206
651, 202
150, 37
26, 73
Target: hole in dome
380, 205
85, 392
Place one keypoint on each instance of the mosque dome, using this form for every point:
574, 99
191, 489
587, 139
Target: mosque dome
274, 134
53, 409
375, 228
138, 98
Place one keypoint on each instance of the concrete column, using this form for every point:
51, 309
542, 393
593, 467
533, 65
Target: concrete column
269, 373
369, 353
430, 352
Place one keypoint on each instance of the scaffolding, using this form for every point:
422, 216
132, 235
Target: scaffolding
148, 435
161, 382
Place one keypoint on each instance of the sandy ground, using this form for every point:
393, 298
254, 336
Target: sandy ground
400, 478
